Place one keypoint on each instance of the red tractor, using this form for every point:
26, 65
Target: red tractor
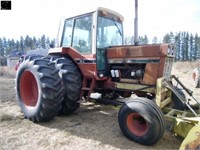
90, 57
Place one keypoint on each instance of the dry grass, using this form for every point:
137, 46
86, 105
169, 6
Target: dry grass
6, 72
186, 67
6, 117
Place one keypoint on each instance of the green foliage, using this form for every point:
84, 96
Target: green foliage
143, 40
24, 44
129, 40
187, 45
155, 40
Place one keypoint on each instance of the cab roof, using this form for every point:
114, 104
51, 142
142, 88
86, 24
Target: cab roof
98, 9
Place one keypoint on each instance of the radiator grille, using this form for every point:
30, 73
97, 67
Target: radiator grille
168, 67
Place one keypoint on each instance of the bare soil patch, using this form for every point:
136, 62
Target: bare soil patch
91, 127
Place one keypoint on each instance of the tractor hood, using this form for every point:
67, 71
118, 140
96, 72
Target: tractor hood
128, 54
145, 63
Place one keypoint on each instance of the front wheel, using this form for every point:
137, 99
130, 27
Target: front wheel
142, 121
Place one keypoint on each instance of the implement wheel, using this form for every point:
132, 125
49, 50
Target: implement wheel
72, 80
39, 89
142, 121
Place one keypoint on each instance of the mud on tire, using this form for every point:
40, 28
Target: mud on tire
39, 89
142, 121
72, 80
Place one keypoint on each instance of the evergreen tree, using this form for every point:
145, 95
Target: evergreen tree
27, 43
177, 46
38, 43
172, 38
17, 45
191, 48
182, 50
146, 40
34, 43
43, 41
21, 45
1, 48
186, 47
132, 40
47, 43
9, 48
196, 47
198, 50
143, 40
31, 44
155, 40
166, 38
5, 45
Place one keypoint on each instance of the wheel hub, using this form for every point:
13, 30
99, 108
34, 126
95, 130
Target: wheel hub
29, 89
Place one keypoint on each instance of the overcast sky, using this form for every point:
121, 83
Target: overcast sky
156, 17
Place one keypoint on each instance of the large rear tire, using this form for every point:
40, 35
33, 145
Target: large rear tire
72, 80
39, 89
142, 121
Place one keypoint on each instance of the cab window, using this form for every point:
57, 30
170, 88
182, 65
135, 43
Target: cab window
109, 32
67, 34
82, 34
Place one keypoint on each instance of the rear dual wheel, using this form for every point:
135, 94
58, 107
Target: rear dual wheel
142, 121
39, 89
72, 81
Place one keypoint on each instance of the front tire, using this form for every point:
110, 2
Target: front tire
39, 89
142, 121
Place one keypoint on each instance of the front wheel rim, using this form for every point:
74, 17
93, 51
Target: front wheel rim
137, 124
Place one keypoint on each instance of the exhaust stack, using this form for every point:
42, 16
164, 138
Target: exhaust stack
136, 41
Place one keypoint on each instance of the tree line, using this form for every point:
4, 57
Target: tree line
187, 45
24, 44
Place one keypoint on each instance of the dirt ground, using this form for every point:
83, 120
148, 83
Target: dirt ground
91, 127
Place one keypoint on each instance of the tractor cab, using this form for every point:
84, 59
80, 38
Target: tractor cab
94, 41
91, 31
